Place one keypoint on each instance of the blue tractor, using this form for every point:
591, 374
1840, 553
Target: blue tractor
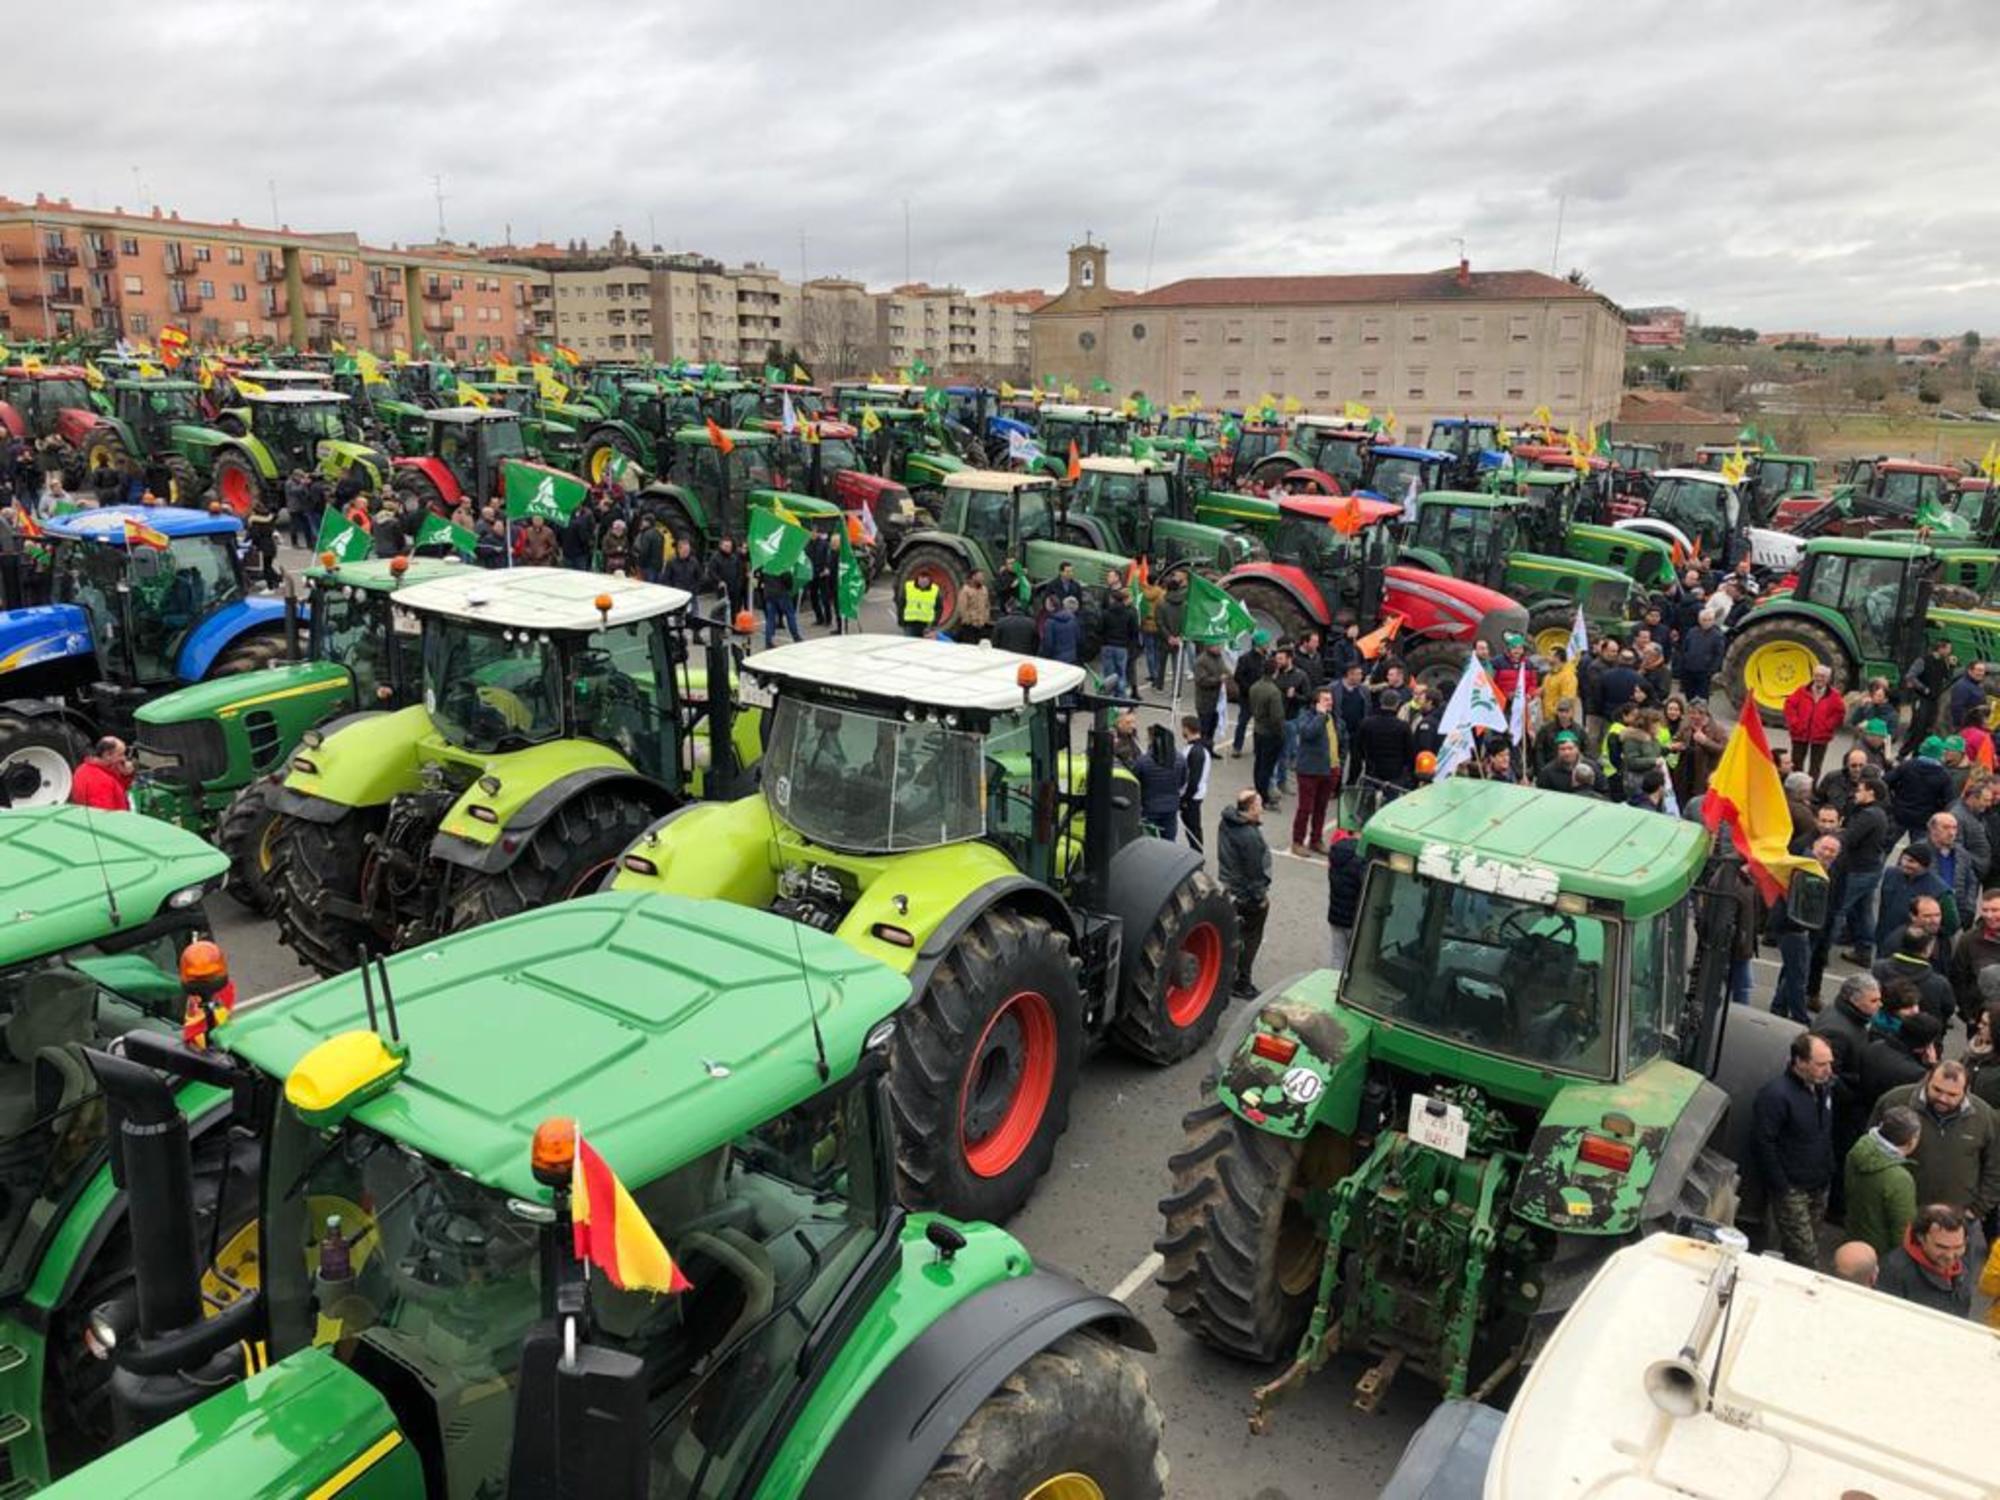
146, 599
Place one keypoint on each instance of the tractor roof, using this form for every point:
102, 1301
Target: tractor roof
1471, 500
698, 437
469, 416
1603, 850
1911, 466
1858, 546
45, 372
666, 1027
107, 522
1453, 424
372, 573
1075, 413
897, 670
1546, 477
317, 378
1326, 507
317, 395
1403, 450
137, 383
1322, 422
1003, 481
1106, 464
1702, 476
59, 861
541, 598
1784, 458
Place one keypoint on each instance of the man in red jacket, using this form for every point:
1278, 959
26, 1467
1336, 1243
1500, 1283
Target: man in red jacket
1812, 714
103, 777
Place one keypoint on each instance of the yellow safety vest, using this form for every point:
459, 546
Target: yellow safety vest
920, 604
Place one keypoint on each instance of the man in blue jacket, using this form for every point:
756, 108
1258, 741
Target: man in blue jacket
1791, 1146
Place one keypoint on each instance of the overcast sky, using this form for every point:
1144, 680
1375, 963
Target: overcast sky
1823, 165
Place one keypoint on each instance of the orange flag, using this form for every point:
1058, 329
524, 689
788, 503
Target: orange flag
1075, 471
1747, 794
612, 1234
721, 439
26, 524
1346, 517
139, 534
1372, 643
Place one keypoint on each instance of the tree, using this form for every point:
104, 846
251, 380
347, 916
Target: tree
1889, 345
1871, 386
1928, 390
1576, 277
1969, 341
1930, 346
1988, 389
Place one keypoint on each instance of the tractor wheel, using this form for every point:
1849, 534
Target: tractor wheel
572, 854
1771, 660
250, 653
36, 756
985, 1060
1549, 626
1181, 986
104, 449
597, 454
928, 565
183, 485
415, 486
1242, 1258
677, 525
1437, 665
1075, 1422
1274, 610
237, 483
1268, 471
248, 833
311, 860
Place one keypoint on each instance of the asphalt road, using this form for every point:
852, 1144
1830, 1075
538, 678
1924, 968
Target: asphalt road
1096, 1213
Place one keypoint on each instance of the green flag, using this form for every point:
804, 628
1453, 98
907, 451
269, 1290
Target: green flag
851, 583
777, 541
1213, 616
1100, 384
532, 490
773, 375
343, 538
919, 369
440, 529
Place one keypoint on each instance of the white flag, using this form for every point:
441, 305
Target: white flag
790, 418
1475, 704
1021, 448
1579, 637
1410, 502
1518, 709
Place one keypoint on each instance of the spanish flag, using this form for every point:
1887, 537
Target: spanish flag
568, 355
611, 1233
721, 439
1747, 794
26, 525
139, 534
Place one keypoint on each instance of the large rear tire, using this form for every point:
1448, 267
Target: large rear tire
183, 486
1437, 665
1076, 1420
1242, 1260
37, 760
984, 1064
1549, 627
930, 564
311, 861
1180, 985
1272, 609
248, 833
597, 453
104, 449
250, 653
572, 854
237, 483
1772, 659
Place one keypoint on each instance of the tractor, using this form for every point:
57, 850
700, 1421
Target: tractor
1474, 446
552, 433
808, 401
220, 397
1706, 520
1140, 507
408, 1318
384, 413
130, 621
1095, 430
922, 801
309, 428
212, 752
1864, 608
49, 401
640, 429
1334, 447
987, 519
852, 397
1198, 426
905, 447
1898, 493
1318, 579
1557, 498
1392, 468
104, 910
1528, 1062
463, 456
828, 466
1782, 484
560, 713
155, 430
1253, 454
707, 491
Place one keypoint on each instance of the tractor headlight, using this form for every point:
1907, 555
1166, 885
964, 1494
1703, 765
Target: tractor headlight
879, 1036
186, 896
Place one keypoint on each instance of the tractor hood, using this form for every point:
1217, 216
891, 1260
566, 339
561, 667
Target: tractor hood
225, 698
42, 633
1451, 608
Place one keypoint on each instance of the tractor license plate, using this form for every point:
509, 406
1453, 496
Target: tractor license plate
1438, 1124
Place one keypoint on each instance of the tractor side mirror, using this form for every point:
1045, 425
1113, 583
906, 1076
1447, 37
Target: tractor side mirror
1807, 899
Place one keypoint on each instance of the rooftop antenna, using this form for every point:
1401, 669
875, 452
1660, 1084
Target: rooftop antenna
437, 190
1151, 245
812, 1011
388, 1001
103, 872
367, 987
1459, 240
1555, 254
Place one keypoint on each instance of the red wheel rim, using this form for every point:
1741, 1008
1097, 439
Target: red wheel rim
926, 575
235, 488
1196, 971
1007, 1083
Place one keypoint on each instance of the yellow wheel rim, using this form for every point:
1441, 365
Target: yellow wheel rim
267, 846
1070, 1486
599, 462
1555, 638
1776, 670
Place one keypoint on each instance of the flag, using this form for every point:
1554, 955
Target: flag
870, 422
919, 369
1346, 517
91, 374
869, 533
1075, 469
1600, 442
532, 490
851, 583
1213, 616
777, 540
568, 355
1292, 404
1990, 464
1579, 637
552, 391
1735, 467
342, 537
139, 534
247, 387
1475, 704
799, 376
717, 436
617, 467
26, 525
1070, 392
370, 368
1746, 793
612, 1234
1371, 644
173, 344
1007, 393
1101, 384
504, 373
438, 529
1389, 422
789, 419
1354, 411
472, 396
1021, 448
1517, 710
773, 375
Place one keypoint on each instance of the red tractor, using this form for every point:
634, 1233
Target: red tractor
48, 399
832, 469
1318, 577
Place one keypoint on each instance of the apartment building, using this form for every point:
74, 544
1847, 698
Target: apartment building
66, 269
1440, 343
948, 330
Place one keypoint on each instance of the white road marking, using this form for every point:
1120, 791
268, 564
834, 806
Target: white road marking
1140, 1275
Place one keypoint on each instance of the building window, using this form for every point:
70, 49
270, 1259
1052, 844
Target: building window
347, 299
1278, 380
1468, 330
1280, 330
1571, 328
316, 263
461, 341
1371, 383
1235, 331
1415, 384
343, 265
1324, 331
206, 288
241, 327
139, 322
234, 255
1191, 379
1232, 385
1086, 340
1465, 385
1566, 384
1371, 330
201, 254
458, 285
238, 292
134, 286
1190, 332
1517, 385
1517, 328
128, 246
348, 331
1138, 331
1420, 328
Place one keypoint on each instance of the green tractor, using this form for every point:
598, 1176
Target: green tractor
1529, 1061
986, 518
155, 430
1142, 507
921, 800
561, 713
213, 751
905, 447
1864, 608
416, 1317
640, 428
1095, 430
102, 908
314, 429
1334, 446
553, 434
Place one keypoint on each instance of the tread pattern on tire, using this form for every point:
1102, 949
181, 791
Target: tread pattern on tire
564, 847
311, 857
1143, 1027
1276, 603
249, 653
238, 834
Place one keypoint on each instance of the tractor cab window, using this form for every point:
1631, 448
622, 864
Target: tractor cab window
1659, 979
1705, 513
987, 518
498, 440
1903, 491
871, 783
1037, 517
489, 690
172, 591
1311, 544
51, 396
1511, 977
1341, 459
455, 451
647, 413
837, 454
154, 411
1869, 598
1466, 535
1012, 786
617, 696
88, 573
1393, 477
347, 627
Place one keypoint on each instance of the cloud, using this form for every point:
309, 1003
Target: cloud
1822, 166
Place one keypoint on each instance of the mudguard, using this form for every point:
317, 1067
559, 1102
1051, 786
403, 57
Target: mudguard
949, 541
1318, 1082
337, 455
219, 631
1295, 581
1011, 890
896, 1432
437, 472
1559, 1191
499, 845
1144, 874
43, 633
73, 424
370, 759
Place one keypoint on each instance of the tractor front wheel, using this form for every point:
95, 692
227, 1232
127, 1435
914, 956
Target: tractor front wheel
1273, 610
237, 484
183, 482
984, 1064
104, 449
1180, 984
248, 834
1771, 660
572, 854
1075, 1422
36, 757
250, 653
929, 565
1242, 1257
310, 862
1549, 627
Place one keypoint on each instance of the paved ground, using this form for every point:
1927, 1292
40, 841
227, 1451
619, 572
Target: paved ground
1096, 1216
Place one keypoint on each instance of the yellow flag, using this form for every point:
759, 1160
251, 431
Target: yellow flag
1990, 464
1389, 423
552, 390
1544, 416
90, 372
338, 347
473, 396
248, 387
1128, 407
799, 376
505, 373
1355, 411
401, 356
31, 361
5, 354
1735, 467
1175, 413
1007, 392
869, 421
370, 368
1070, 392
148, 370
1293, 404
779, 510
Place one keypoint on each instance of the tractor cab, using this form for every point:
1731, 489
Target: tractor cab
1392, 471
852, 397
1903, 487
1096, 430
807, 401
1142, 507
33, 400
1881, 589
1254, 443
1776, 478
1712, 456
1473, 443
1335, 446
312, 429
463, 453
810, 466
1635, 458
723, 481
153, 408
1697, 511
1200, 426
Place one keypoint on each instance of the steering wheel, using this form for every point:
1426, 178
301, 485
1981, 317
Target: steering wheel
1514, 928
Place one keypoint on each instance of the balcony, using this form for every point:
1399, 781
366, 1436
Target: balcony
45, 254
325, 315
270, 271
322, 276
436, 291
437, 322
385, 312
179, 262
186, 301
102, 257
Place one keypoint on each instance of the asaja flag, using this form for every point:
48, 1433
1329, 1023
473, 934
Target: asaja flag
533, 490
342, 537
777, 542
851, 583
611, 1233
1579, 637
1746, 794
869, 421
789, 419
439, 529
1475, 704
1213, 617
1022, 449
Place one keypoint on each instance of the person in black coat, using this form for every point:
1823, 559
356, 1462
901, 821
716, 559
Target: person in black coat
1924, 683
1014, 630
1343, 891
1920, 787
1385, 745
1791, 1146
1159, 770
1250, 668
1901, 1056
